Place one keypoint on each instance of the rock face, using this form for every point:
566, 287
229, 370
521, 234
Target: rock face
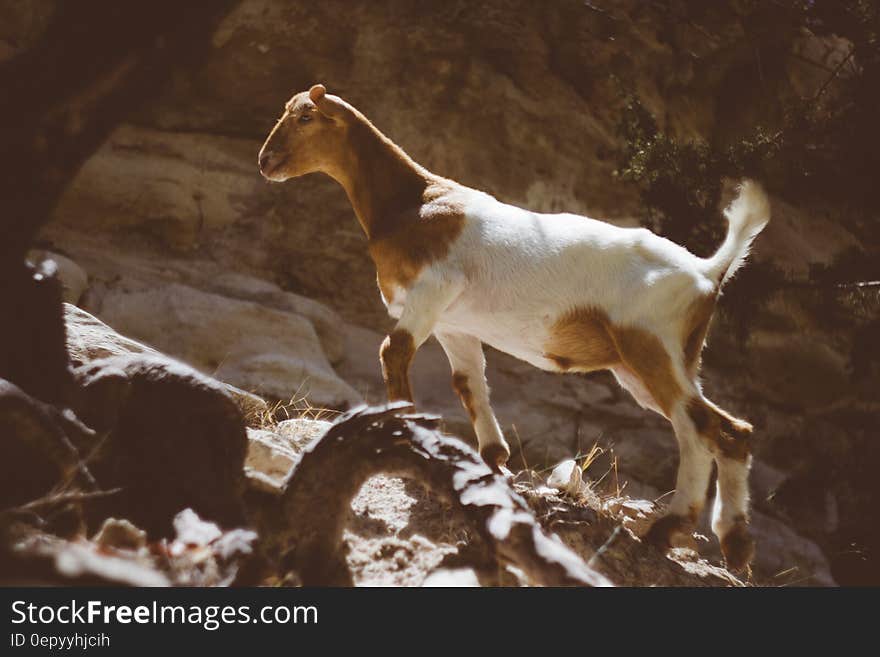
245, 331
90, 339
269, 288
22, 24
271, 352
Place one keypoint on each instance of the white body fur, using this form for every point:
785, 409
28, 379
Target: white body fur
517, 271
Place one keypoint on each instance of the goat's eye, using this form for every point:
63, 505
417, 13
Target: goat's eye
305, 118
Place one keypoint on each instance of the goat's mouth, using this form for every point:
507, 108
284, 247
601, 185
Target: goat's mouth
273, 168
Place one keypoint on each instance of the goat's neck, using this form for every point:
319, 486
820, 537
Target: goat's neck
382, 182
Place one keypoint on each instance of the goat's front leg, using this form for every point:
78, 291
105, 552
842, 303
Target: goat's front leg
465, 353
425, 301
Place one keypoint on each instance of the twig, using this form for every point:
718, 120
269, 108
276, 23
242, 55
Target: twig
604, 546
60, 498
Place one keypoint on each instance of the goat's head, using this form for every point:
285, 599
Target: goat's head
310, 136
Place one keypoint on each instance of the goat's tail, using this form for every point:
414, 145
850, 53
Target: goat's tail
746, 217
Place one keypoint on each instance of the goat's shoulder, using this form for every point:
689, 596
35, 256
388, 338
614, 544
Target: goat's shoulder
419, 236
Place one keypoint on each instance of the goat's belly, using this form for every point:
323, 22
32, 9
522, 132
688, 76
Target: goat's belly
522, 337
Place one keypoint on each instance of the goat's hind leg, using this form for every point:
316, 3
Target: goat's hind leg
729, 440
692, 483
660, 383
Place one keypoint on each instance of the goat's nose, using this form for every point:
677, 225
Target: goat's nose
264, 160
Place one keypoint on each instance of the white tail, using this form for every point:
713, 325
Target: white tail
746, 217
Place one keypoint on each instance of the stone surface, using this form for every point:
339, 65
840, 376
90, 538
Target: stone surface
74, 280
90, 339
273, 452
270, 459
566, 477
22, 24
119, 533
260, 349
302, 431
170, 438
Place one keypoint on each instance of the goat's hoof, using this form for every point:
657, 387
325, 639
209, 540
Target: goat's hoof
495, 456
665, 530
738, 547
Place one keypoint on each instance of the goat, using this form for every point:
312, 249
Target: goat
563, 292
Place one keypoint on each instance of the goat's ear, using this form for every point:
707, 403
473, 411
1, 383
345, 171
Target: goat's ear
331, 106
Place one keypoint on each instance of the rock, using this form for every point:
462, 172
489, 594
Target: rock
302, 431
452, 577
136, 270
249, 333
22, 24
90, 339
325, 321
74, 279
829, 52
798, 368
270, 352
189, 185
193, 531
120, 534
603, 532
270, 460
174, 176
32, 353
171, 438
567, 477
798, 238
411, 446
39, 444
84, 563
200, 554
272, 454
783, 556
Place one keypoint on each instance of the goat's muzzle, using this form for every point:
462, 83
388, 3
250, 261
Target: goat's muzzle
270, 163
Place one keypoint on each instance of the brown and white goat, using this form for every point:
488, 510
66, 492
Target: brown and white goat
564, 292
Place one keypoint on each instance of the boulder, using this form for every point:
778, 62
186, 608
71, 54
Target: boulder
73, 278
302, 431
803, 370
271, 352
169, 438
90, 339
272, 453
270, 460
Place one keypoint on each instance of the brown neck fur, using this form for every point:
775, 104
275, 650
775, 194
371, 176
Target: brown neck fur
380, 179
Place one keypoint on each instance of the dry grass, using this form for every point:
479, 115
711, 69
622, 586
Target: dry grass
298, 407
